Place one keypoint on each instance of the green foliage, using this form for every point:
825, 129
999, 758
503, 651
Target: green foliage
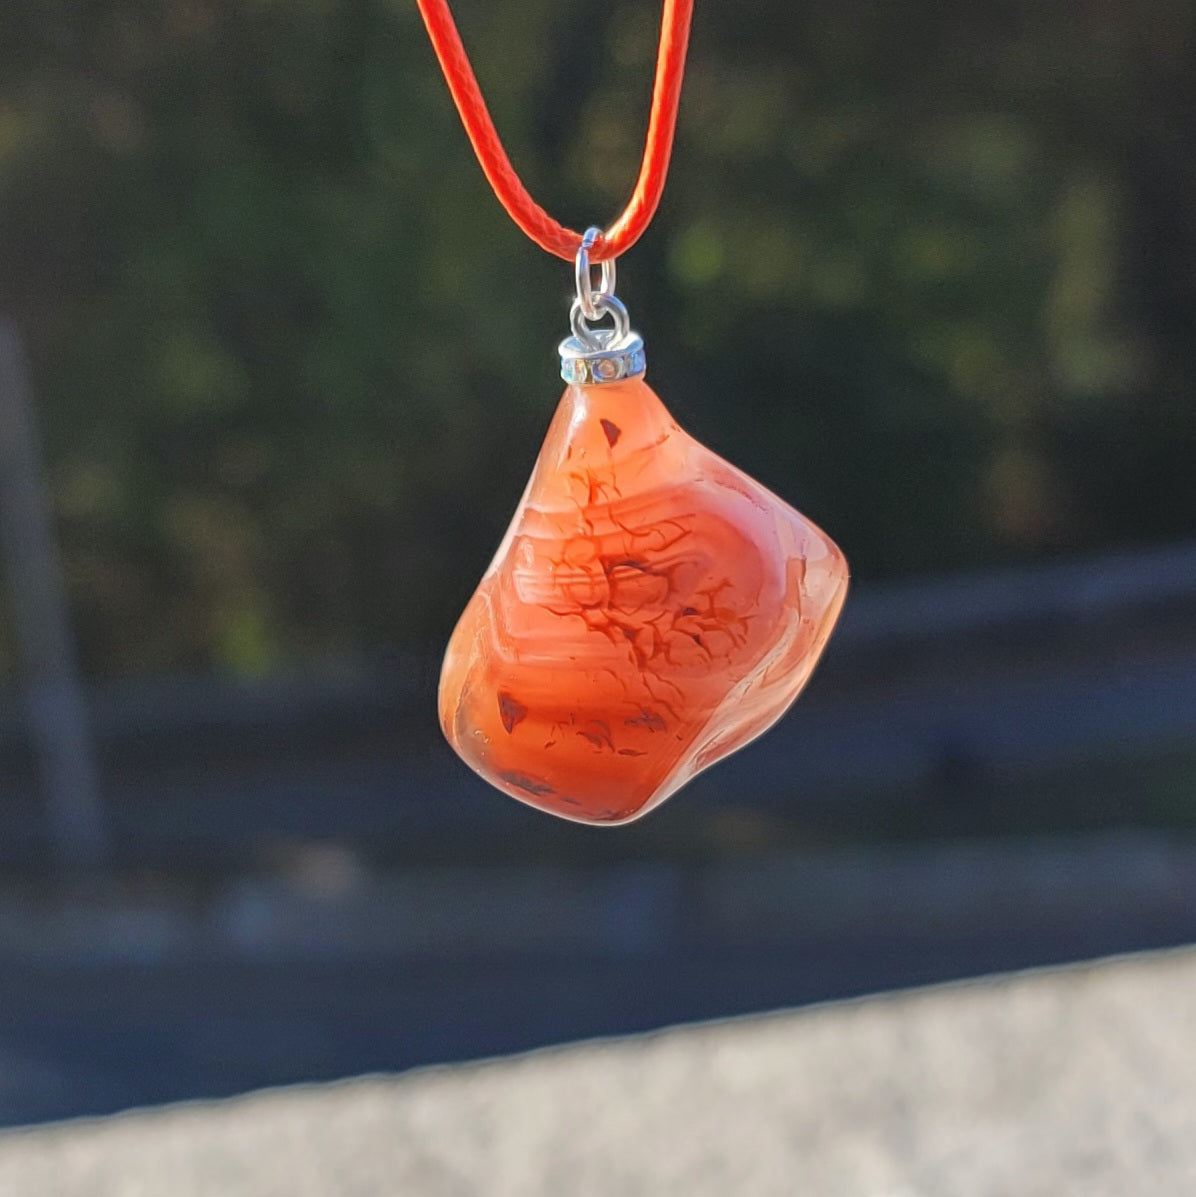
925, 270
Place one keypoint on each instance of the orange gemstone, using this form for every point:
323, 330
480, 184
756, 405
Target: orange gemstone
650, 610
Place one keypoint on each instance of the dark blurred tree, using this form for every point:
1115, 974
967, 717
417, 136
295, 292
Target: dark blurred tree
927, 270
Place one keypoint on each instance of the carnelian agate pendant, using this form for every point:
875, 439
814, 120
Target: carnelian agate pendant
650, 610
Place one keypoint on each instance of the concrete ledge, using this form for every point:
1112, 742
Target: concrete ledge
1076, 1082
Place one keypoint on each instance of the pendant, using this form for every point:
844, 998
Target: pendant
650, 610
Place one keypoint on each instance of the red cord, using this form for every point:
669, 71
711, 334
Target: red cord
527, 214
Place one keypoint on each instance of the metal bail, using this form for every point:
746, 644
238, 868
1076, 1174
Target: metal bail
597, 355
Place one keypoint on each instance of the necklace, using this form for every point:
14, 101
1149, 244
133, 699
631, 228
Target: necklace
651, 608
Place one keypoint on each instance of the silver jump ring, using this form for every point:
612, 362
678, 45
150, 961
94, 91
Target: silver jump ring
600, 338
588, 296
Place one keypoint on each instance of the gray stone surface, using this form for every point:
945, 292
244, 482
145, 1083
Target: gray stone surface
1078, 1081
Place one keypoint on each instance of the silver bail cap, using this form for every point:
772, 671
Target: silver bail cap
597, 355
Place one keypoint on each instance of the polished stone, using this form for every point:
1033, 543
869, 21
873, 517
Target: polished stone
650, 610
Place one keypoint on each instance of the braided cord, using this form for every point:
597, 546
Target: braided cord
514, 197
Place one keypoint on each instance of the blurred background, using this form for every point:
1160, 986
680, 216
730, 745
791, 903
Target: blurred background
277, 368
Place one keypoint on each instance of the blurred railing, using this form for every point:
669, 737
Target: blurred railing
938, 685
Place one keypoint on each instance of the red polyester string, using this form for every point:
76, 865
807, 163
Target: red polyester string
527, 214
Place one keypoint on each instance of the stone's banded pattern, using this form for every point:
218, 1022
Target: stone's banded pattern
650, 610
